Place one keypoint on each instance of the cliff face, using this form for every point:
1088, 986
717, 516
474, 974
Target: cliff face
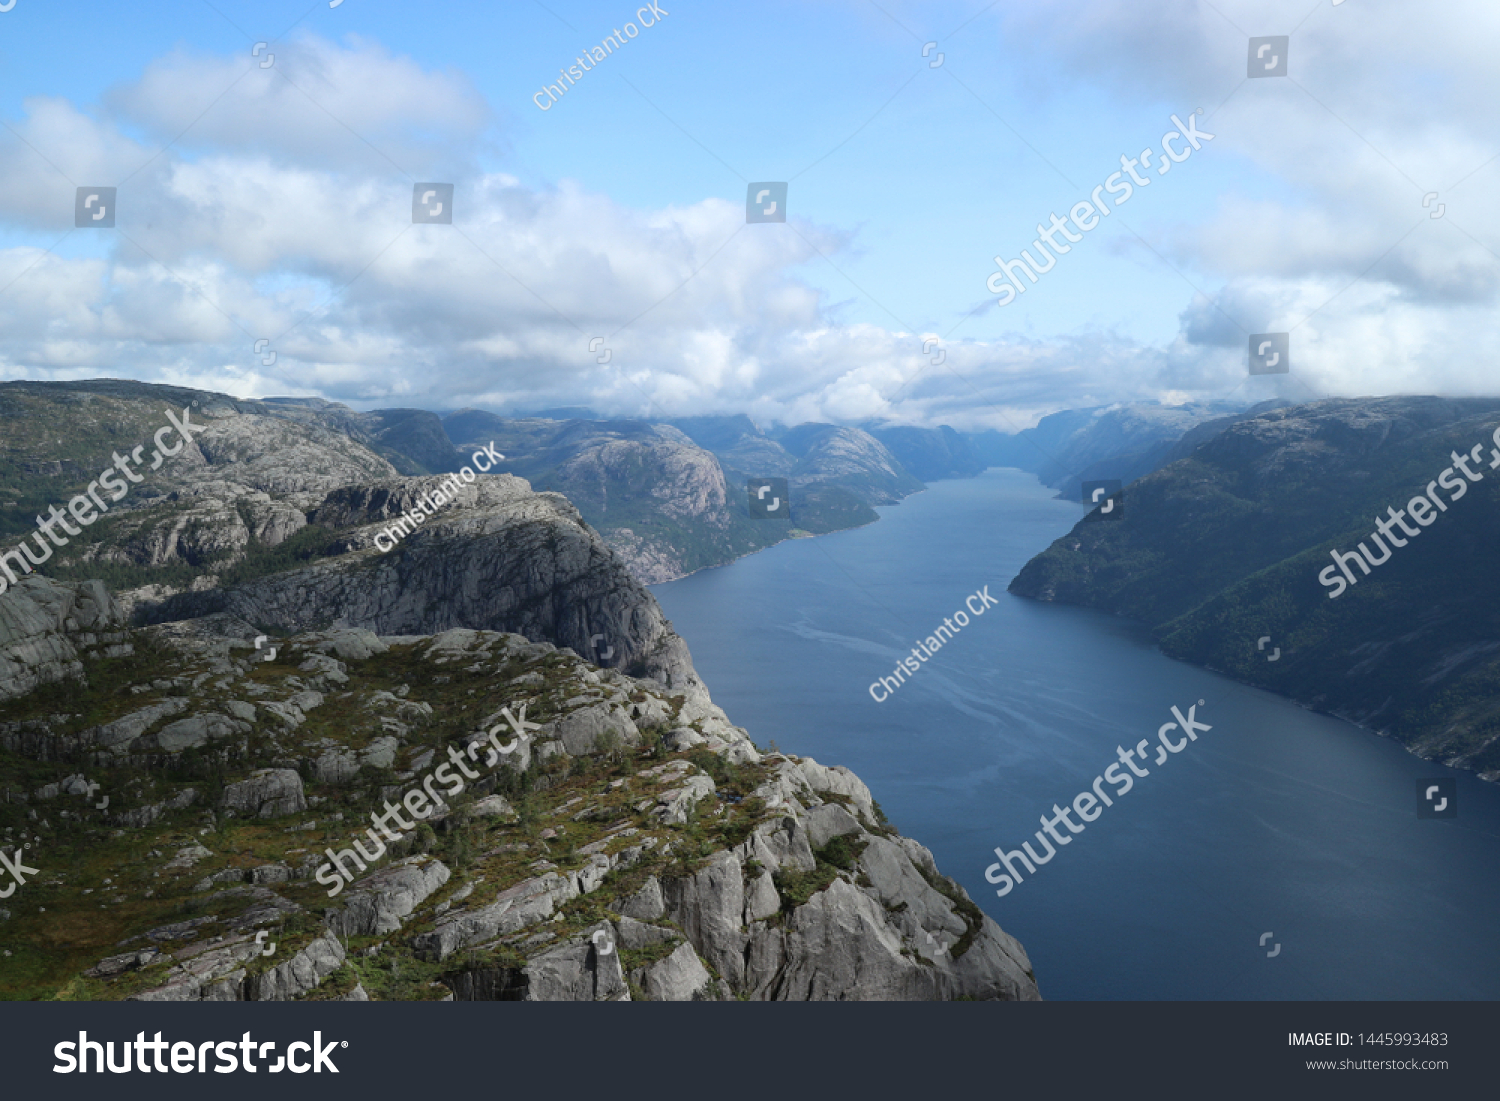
666, 505
45, 628
608, 838
496, 556
671, 498
178, 785
660, 501
850, 458
1225, 547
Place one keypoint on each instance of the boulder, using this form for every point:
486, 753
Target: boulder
268, 793
674, 806
645, 905
335, 766
576, 972
352, 645
526, 903
193, 731
684, 737
301, 973
681, 977
581, 730
492, 806
378, 903
631, 934
828, 821
119, 734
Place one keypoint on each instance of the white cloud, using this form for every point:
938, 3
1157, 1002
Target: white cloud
286, 204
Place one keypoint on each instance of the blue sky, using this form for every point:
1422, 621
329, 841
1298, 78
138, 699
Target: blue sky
290, 192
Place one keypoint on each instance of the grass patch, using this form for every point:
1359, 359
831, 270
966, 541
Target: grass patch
972, 915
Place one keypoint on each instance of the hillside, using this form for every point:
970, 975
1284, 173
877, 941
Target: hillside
183, 764
1122, 442
671, 498
1226, 546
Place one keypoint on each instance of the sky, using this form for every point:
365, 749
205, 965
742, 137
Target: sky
265, 156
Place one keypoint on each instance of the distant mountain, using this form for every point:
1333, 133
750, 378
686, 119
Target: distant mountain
930, 454
742, 449
1116, 441
666, 504
850, 458
567, 413
1232, 544
656, 497
718, 433
671, 499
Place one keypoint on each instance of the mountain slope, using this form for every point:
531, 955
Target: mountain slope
670, 503
1226, 546
1117, 441
930, 453
618, 837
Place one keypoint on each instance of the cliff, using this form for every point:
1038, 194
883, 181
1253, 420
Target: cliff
178, 784
670, 499
632, 844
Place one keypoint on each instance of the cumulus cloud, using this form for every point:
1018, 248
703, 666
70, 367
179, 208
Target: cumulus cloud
275, 204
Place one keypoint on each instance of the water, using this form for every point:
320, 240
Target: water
1276, 821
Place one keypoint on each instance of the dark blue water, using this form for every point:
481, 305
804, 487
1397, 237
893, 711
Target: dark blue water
1277, 820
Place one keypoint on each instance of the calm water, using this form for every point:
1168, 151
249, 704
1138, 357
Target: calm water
1277, 820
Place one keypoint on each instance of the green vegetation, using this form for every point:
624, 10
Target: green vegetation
583, 801
1215, 554
972, 915
797, 887
258, 560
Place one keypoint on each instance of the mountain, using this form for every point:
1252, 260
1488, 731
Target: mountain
1124, 442
193, 765
849, 458
810, 455
1233, 544
657, 498
930, 453
670, 498
667, 503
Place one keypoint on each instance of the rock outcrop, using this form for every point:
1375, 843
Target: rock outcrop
470, 762
496, 556
589, 836
45, 626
